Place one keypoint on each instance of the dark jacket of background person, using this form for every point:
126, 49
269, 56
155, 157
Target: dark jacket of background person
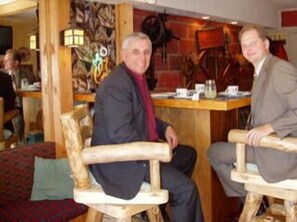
8, 95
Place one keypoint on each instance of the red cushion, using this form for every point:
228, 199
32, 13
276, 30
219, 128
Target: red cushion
17, 170
41, 211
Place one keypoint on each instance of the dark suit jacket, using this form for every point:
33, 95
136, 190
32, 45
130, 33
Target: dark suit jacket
274, 101
8, 95
120, 117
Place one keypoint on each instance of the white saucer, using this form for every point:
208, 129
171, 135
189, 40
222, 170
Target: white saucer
239, 94
163, 95
183, 97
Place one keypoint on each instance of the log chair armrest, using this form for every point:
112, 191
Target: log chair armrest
127, 152
287, 144
272, 141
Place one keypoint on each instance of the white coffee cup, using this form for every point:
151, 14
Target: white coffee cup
232, 90
199, 87
181, 92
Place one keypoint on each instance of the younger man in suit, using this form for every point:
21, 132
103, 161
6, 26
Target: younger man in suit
273, 110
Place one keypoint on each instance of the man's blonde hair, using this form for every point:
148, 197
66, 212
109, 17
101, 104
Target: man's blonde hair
260, 30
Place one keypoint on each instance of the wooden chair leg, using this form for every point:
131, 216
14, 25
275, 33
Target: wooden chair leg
154, 214
291, 211
94, 215
251, 206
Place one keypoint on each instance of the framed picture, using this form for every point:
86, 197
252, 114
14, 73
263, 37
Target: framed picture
210, 38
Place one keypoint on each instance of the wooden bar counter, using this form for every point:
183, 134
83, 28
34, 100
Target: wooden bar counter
200, 123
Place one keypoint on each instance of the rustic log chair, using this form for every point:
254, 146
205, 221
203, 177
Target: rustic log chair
77, 128
4, 118
257, 186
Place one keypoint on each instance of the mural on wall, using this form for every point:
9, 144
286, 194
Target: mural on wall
92, 62
212, 59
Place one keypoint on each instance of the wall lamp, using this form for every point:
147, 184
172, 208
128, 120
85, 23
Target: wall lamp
73, 36
33, 41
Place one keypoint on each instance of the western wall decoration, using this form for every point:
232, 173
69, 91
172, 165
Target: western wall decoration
211, 60
154, 26
92, 62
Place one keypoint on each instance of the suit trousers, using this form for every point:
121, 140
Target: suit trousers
175, 177
222, 156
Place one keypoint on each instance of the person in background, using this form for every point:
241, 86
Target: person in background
124, 113
273, 110
8, 95
12, 63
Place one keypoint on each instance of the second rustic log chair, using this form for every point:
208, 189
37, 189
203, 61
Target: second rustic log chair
4, 118
77, 128
256, 185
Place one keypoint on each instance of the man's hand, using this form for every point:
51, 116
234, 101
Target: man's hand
171, 137
254, 136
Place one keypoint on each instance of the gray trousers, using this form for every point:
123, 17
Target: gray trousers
222, 156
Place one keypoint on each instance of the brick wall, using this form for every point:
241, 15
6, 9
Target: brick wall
169, 73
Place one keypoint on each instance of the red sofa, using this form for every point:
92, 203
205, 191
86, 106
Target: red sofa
16, 181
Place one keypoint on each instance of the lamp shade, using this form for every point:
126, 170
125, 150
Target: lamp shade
73, 37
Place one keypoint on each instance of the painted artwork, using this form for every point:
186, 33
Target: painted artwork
92, 62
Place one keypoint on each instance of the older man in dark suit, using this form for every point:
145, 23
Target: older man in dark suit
124, 113
273, 110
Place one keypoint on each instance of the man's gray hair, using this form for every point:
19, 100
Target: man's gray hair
135, 36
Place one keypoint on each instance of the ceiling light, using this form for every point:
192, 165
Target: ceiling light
205, 17
234, 22
4, 2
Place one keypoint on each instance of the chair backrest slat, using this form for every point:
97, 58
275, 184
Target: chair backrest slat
74, 142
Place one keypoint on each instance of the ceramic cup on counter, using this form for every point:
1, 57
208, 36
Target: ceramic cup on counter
232, 90
199, 87
181, 92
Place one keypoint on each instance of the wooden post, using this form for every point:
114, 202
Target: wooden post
124, 26
57, 95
